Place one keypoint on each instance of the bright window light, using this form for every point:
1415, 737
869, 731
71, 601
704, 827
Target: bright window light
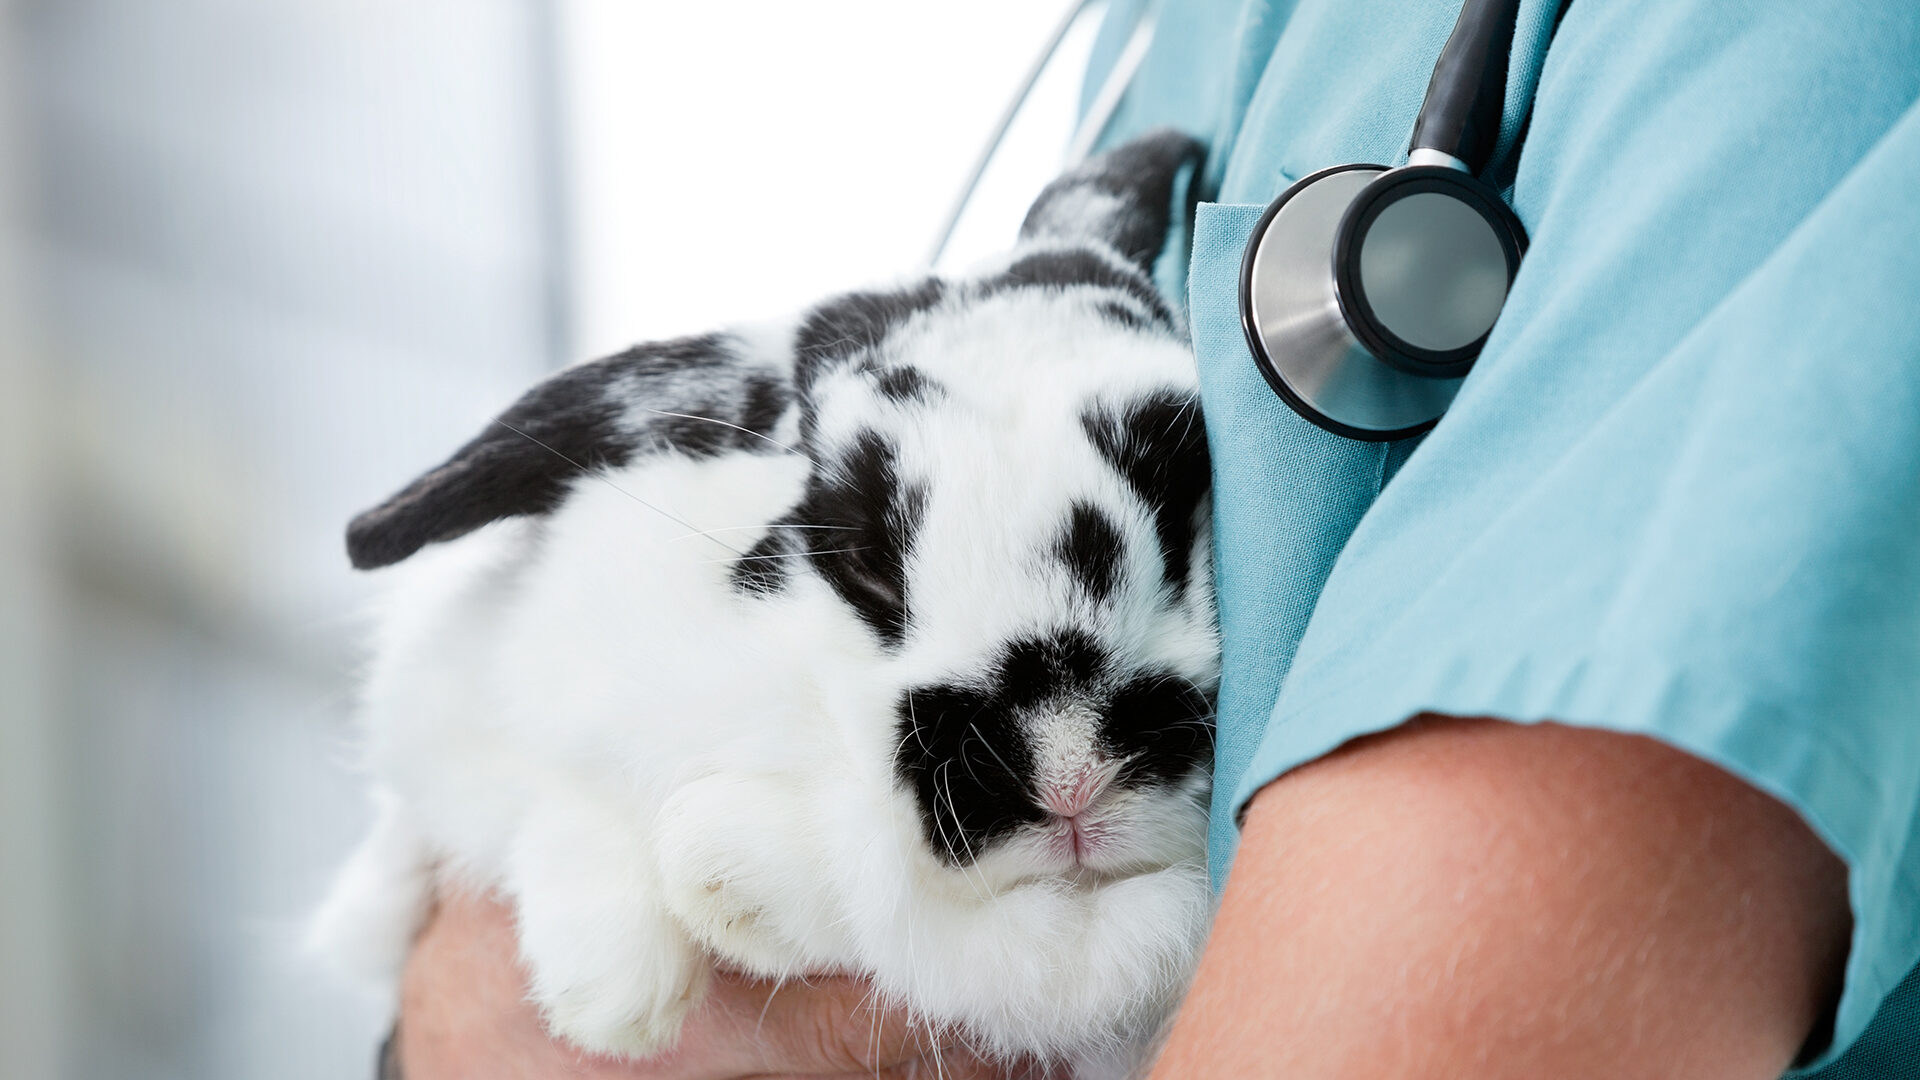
732, 161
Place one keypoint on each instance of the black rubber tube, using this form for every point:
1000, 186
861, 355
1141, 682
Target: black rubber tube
1461, 114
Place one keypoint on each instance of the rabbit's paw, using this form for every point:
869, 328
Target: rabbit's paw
378, 901
626, 1013
610, 969
738, 874
616, 980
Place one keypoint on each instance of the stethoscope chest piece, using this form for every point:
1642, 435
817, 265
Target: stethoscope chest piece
1366, 293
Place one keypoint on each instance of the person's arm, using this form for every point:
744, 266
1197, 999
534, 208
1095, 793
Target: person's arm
1473, 898
464, 1015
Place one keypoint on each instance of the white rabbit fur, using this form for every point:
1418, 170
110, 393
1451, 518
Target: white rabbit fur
583, 707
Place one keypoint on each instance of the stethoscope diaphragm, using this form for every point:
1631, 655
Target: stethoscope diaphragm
1367, 292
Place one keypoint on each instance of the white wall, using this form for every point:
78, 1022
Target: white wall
288, 255
742, 159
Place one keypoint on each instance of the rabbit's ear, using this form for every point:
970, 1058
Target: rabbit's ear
699, 396
1123, 197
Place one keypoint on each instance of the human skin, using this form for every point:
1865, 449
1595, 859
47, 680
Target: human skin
1453, 898
465, 1016
1469, 898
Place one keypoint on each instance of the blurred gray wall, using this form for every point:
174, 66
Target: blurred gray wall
31, 987
269, 261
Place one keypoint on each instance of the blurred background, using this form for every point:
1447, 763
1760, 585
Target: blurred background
263, 261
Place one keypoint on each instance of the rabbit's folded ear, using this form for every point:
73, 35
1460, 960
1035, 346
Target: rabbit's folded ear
1122, 198
699, 396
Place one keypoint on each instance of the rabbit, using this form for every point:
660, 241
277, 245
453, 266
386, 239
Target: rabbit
879, 640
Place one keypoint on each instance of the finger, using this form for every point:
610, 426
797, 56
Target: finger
818, 1026
824, 1027
951, 1066
463, 1010
962, 1065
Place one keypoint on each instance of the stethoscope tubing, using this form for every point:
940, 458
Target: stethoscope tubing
1092, 125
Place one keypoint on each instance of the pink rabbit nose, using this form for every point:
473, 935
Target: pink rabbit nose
1069, 796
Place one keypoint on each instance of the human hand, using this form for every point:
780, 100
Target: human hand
464, 1015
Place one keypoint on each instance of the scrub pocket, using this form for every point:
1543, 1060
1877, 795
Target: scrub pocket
1286, 495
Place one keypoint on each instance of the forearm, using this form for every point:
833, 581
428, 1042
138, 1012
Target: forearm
1469, 898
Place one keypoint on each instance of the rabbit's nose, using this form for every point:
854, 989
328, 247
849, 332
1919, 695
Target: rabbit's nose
1069, 795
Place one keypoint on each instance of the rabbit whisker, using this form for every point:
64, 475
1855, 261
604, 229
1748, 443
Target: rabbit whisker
795, 451
975, 728
968, 762
943, 776
768, 525
764, 1009
918, 732
788, 555
724, 424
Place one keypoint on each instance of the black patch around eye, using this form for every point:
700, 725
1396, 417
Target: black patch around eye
763, 569
1079, 266
1132, 196
1158, 444
906, 383
1091, 548
862, 519
1162, 725
967, 763
855, 322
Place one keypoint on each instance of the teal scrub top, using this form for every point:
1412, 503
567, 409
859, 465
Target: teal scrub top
1679, 495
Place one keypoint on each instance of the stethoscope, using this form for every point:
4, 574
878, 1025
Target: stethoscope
1367, 292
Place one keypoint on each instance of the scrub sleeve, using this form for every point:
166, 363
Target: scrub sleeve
1679, 495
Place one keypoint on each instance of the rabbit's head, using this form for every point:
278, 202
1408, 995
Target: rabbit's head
1025, 535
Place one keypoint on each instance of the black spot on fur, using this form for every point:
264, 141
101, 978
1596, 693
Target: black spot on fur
1091, 548
1159, 445
763, 569
1127, 317
1079, 266
856, 322
862, 519
1033, 670
964, 753
1123, 197
694, 396
593, 416
1162, 725
764, 402
905, 383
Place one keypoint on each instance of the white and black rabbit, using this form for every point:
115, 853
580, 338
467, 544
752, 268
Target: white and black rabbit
879, 641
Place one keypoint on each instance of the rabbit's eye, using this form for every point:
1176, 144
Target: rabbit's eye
1162, 726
